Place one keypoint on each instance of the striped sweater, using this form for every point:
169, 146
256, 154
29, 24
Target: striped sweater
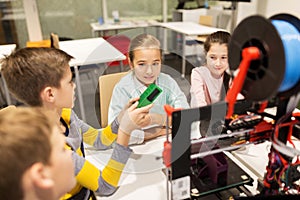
87, 175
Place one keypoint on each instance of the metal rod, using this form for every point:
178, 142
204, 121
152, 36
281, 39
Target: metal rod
214, 151
215, 137
169, 196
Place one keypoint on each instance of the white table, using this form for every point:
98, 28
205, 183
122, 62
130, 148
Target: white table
188, 29
127, 24
6, 50
142, 177
255, 157
89, 51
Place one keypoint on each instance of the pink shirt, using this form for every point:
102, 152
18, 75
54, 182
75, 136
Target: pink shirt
205, 89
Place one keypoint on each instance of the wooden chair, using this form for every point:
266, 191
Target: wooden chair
52, 42
106, 85
42, 43
223, 20
120, 42
7, 108
206, 20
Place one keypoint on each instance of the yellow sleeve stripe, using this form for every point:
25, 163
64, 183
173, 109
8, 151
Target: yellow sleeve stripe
112, 172
90, 136
66, 115
88, 176
67, 147
79, 152
74, 191
107, 136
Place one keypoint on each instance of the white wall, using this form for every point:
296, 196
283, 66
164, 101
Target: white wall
282, 6
247, 9
268, 8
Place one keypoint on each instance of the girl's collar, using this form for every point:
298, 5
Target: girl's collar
139, 85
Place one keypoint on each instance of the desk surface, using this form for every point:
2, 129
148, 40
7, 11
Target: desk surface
122, 25
6, 49
255, 157
91, 51
142, 177
233, 177
190, 28
86, 52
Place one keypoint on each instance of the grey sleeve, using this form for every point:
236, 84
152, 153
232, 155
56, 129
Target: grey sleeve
120, 154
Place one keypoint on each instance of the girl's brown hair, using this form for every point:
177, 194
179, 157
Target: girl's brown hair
220, 37
143, 41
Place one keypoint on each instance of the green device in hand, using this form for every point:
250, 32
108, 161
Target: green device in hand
149, 95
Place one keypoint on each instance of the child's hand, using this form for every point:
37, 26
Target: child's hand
131, 101
134, 118
154, 133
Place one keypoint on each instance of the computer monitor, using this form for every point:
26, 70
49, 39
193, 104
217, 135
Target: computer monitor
237, 0
181, 3
201, 3
234, 3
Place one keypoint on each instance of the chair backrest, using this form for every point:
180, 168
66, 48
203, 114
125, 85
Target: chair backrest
54, 40
223, 20
42, 43
106, 85
206, 20
120, 42
7, 108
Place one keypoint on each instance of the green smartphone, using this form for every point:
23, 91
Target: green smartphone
149, 95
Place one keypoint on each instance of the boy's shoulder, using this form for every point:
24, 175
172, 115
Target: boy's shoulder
68, 115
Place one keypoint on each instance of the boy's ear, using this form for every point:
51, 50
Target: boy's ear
47, 94
41, 176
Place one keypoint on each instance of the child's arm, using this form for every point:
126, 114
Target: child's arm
99, 138
102, 182
132, 119
103, 138
106, 182
149, 135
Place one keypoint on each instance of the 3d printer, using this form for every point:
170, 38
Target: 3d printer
266, 54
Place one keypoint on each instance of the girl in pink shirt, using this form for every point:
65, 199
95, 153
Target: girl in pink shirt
209, 82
